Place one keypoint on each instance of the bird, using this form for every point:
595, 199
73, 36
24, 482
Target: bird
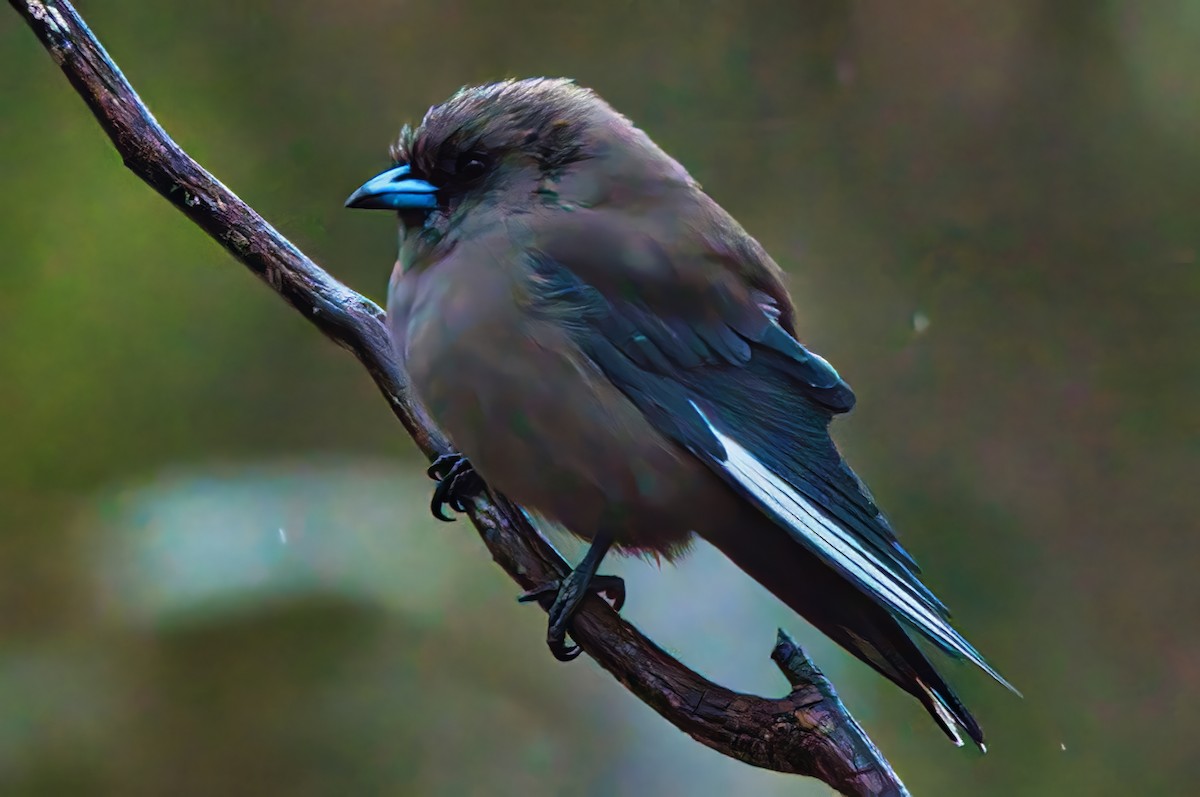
606, 346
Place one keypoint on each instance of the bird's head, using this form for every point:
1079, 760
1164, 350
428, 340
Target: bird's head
513, 147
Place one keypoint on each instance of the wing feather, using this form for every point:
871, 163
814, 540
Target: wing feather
812, 527
733, 387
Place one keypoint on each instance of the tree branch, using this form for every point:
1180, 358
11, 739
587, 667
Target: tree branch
808, 732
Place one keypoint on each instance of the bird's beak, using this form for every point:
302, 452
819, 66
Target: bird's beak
394, 190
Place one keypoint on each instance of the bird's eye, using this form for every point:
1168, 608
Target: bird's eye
471, 166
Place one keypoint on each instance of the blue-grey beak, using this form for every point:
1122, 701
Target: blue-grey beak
394, 190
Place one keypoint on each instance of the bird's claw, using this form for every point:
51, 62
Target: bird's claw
568, 594
457, 483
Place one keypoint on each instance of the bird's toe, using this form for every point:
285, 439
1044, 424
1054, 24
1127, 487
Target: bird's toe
457, 483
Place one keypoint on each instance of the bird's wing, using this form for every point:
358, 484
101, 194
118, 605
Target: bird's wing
723, 379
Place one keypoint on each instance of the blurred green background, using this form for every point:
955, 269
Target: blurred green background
217, 572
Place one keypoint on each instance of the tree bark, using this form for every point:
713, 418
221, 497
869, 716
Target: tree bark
807, 732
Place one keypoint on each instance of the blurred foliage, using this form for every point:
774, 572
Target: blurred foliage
989, 212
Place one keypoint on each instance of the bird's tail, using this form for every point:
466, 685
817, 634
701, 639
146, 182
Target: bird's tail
839, 610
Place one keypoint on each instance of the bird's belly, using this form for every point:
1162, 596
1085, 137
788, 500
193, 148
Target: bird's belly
542, 425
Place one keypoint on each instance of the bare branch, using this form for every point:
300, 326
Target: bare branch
808, 732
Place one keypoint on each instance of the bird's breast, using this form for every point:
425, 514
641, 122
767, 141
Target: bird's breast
538, 419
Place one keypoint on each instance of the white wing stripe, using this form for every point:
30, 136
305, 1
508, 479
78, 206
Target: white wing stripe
839, 546
806, 506
822, 530
781, 498
808, 520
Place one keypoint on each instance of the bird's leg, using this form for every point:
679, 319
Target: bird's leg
570, 592
457, 483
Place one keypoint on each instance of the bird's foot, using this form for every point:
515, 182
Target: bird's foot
457, 483
568, 595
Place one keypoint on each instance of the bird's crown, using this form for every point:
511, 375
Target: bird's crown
544, 117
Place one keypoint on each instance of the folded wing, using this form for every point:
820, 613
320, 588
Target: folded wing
728, 383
